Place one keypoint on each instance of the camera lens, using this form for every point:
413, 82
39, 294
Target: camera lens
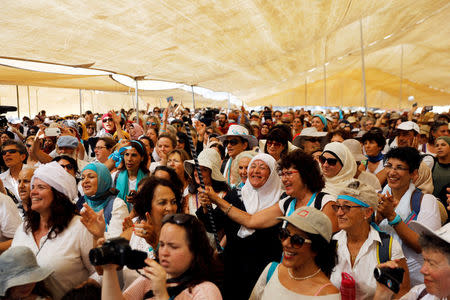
96, 256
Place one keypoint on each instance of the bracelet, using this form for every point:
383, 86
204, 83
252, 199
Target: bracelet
396, 220
228, 209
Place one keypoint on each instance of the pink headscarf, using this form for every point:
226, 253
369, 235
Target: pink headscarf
137, 132
108, 115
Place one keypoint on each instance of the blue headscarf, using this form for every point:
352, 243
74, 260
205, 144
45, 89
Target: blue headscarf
104, 181
323, 119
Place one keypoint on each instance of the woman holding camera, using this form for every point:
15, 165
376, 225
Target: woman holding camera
360, 244
309, 256
184, 269
53, 230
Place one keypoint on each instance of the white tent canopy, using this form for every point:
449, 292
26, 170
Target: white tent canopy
263, 52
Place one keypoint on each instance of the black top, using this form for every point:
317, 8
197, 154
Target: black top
244, 258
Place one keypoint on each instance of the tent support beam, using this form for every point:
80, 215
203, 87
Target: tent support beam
363, 67
17, 99
306, 91
193, 97
29, 103
81, 100
136, 92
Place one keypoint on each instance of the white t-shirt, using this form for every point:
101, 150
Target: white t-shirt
273, 289
9, 218
67, 255
365, 262
131, 183
429, 215
10, 183
118, 213
414, 293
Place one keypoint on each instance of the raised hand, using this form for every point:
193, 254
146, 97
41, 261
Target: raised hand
146, 229
386, 206
94, 222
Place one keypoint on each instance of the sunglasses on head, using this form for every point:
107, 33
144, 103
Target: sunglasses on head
107, 120
67, 167
11, 151
232, 142
274, 143
330, 161
295, 240
179, 219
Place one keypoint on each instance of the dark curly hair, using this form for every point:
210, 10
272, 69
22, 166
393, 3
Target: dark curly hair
278, 135
173, 176
307, 167
326, 253
376, 136
203, 267
146, 191
408, 155
62, 212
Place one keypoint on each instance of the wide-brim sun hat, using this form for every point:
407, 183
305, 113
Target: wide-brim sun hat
310, 220
442, 233
241, 131
18, 266
208, 158
308, 132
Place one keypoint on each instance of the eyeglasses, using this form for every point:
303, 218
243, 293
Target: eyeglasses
397, 168
287, 173
330, 161
11, 151
232, 142
100, 147
295, 240
67, 167
179, 219
274, 143
107, 120
345, 208
312, 139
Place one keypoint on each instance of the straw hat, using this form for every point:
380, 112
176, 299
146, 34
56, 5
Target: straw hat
18, 266
208, 158
238, 130
308, 132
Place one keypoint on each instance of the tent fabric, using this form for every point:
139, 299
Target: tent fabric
260, 51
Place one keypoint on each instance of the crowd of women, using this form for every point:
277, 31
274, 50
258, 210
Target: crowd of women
244, 205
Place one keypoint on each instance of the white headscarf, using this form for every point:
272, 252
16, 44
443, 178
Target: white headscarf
336, 184
56, 177
256, 199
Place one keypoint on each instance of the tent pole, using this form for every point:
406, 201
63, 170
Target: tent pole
17, 98
136, 91
229, 103
363, 67
80, 95
401, 77
37, 102
193, 98
325, 84
29, 103
306, 91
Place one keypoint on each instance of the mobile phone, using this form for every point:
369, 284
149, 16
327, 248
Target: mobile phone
428, 108
54, 131
415, 104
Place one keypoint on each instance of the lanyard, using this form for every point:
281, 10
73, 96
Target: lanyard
294, 202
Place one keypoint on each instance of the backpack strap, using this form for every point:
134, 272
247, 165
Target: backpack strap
318, 200
384, 249
422, 294
272, 268
415, 203
286, 204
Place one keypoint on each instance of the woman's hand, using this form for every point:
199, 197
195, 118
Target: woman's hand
146, 230
386, 206
203, 197
115, 117
94, 222
209, 192
127, 223
156, 273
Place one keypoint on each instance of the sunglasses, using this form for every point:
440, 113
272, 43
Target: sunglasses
67, 167
90, 127
232, 142
11, 151
295, 240
28, 145
179, 219
312, 139
107, 120
273, 143
330, 161
345, 208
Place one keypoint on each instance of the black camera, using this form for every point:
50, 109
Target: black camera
390, 277
118, 251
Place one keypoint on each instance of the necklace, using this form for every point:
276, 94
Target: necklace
302, 278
